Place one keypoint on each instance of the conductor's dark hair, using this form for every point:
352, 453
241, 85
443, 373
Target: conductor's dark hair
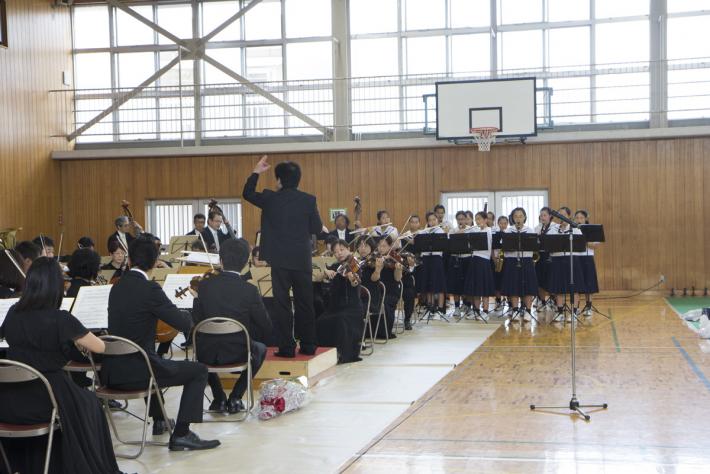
234, 254
44, 286
48, 242
213, 214
84, 263
546, 209
10, 276
343, 216
289, 173
28, 250
340, 242
86, 242
143, 252
584, 213
525, 214
566, 210
380, 212
460, 213
199, 215
439, 206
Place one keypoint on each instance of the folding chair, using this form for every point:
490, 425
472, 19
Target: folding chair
118, 346
399, 310
17, 372
219, 325
381, 314
83, 367
370, 348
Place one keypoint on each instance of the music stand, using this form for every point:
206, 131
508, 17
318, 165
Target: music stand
515, 243
431, 243
594, 233
180, 243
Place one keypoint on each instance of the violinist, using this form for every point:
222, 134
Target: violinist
29, 253
212, 234
255, 260
46, 245
226, 294
86, 243
83, 270
409, 292
366, 252
199, 224
388, 270
118, 261
123, 233
341, 325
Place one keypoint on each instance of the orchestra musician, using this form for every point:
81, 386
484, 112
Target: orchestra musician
46, 245
288, 219
29, 252
479, 283
589, 268
86, 243
498, 262
389, 272
433, 276
83, 270
134, 307
519, 278
546, 226
212, 233
342, 229
124, 235
384, 227
559, 276
440, 212
119, 260
198, 221
457, 268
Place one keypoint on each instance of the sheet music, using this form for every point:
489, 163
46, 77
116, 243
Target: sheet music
201, 258
66, 304
91, 306
176, 281
4, 308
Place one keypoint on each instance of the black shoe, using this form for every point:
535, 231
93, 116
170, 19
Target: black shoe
161, 426
291, 353
115, 405
407, 325
307, 349
235, 405
191, 442
392, 336
218, 406
185, 345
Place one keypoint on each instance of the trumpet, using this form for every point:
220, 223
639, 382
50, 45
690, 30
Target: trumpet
499, 261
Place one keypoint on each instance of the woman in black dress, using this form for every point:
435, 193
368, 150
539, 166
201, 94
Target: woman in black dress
83, 270
35, 330
118, 259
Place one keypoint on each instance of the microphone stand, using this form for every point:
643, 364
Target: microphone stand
574, 406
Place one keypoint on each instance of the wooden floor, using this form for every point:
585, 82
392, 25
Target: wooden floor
644, 363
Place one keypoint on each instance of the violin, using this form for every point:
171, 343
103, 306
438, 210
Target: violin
194, 283
350, 266
213, 207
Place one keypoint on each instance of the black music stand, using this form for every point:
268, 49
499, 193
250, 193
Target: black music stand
515, 243
594, 233
565, 243
431, 243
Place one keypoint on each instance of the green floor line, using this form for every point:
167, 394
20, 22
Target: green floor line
613, 332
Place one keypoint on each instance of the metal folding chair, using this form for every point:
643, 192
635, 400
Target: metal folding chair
381, 315
220, 325
83, 367
370, 348
399, 311
16, 372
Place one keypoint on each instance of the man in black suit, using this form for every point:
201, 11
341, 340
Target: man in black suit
134, 307
341, 231
123, 232
212, 233
199, 222
288, 219
228, 295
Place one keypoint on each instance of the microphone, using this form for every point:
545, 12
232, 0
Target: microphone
563, 218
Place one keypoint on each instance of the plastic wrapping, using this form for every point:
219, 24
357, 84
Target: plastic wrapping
281, 396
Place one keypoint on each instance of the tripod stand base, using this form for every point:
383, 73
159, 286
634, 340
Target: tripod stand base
574, 407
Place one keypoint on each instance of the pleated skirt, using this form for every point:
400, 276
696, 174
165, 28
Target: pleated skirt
479, 278
519, 280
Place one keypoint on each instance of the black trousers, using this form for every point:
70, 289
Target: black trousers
409, 294
258, 354
343, 330
283, 281
386, 326
192, 376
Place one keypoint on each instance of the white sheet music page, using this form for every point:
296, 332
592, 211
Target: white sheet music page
91, 306
176, 281
4, 308
66, 304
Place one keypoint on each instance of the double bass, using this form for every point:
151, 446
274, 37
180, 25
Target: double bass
213, 207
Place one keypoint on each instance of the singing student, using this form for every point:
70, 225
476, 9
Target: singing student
433, 275
480, 284
589, 268
545, 227
519, 278
559, 277
457, 268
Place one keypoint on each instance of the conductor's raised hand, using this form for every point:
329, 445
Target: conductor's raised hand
262, 165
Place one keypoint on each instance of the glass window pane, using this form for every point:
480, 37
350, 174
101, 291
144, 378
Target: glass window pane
373, 16
316, 103
222, 115
519, 11
92, 71
520, 50
424, 14
263, 117
130, 31
308, 18
91, 27
215, 13
471, 53
177, 19
171, 113
414, 106
675, 6
426, 55
230, 57
622, 42
570, 100
172, 77
470, 13
689, 94
689, 37
566, 10
264, 64
375, 109
86, 110
309, 60
137, 119
374, 57
615, 8
568, 47
134, 68
622, 97
263, 21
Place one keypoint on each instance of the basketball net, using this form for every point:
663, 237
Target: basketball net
484, 136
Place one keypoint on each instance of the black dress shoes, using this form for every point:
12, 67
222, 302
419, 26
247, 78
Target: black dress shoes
161, 426
285, 353
218, 406
407, 325
191, 442
235, 405
307, 349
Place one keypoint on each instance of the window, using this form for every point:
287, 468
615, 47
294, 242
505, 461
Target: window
520, 50
309, 60
424, 14
566, 10
374, 57
568, 47
177, 19
92, 71
130, 31
675, 6
471, 53
689, 37
94, 33
363, 19
622, 42
167, 219
308, 18
501, 203
263, 21
470, 13
519, 11
214, 13
426, 55
615, 8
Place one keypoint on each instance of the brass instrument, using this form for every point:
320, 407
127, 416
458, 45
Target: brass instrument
8, 238
499, 261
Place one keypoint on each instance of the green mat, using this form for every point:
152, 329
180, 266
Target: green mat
687, 303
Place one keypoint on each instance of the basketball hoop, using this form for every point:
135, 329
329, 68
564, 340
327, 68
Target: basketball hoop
484, 136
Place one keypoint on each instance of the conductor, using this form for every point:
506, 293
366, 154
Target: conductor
288, 219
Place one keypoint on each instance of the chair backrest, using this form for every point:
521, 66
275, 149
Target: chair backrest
216, 326
12, 371
383, 293
367, 294
120, 346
